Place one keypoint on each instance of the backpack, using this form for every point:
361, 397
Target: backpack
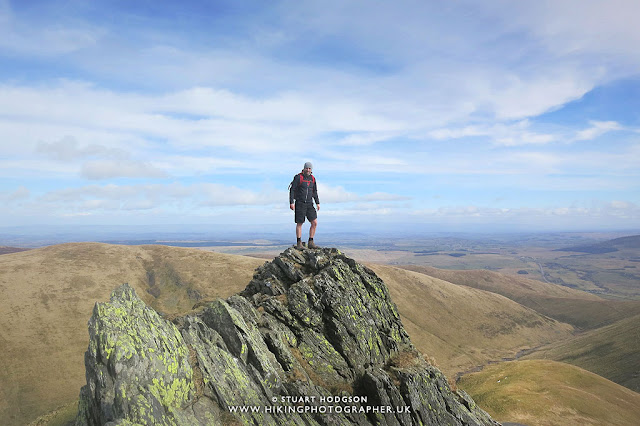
313, 179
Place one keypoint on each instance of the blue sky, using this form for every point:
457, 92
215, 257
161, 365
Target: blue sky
442, 115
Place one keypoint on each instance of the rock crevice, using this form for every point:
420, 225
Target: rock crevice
314, 339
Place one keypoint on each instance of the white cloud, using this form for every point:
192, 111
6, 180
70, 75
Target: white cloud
619, 213
178, 197
337, 194
523, 132
109, 169
624, 162
522, 96
369, 212
598, 128
68, 149
364, 139
21, 193
23, 36
418, 95
448, 63
531, 163
138, 205
509, 134
621, 205
222, 119
185, 165
579, 27
383, 196
109, 191
223, 195
365, 162
98, 162
146, 196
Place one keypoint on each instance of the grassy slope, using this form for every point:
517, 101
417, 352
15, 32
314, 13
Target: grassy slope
578, 308
462, 327
612, 352
551, 393
47, 296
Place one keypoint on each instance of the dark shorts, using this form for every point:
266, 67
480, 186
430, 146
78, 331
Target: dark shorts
305, 209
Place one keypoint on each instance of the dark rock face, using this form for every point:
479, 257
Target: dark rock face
314, 339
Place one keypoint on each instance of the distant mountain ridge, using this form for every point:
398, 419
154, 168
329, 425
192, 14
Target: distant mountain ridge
9, 250
610, 246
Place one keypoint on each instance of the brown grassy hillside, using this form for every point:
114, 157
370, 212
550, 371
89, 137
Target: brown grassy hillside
47, 296
463, 327
612, 352
551, 393
575, 307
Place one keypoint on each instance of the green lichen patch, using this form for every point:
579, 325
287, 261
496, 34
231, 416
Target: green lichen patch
139, 360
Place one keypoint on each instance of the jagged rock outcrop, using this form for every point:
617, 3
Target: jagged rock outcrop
314, 339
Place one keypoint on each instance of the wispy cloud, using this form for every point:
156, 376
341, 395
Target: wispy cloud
19, 194
174, 197
507, 134
337, 194
557, 217
68, 149
598, 128
46, 39
100, 170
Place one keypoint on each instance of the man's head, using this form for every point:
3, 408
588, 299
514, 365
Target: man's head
307, 168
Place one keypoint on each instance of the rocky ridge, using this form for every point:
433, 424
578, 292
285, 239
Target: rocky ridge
314, 339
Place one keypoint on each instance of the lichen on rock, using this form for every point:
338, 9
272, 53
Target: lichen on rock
137, 364
310, 341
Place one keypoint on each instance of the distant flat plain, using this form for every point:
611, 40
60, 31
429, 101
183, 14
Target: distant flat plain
612, 272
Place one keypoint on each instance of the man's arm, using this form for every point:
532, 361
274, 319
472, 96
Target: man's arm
315, 194
292, 192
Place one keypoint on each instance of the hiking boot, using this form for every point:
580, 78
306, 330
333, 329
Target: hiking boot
312, 245
299, 245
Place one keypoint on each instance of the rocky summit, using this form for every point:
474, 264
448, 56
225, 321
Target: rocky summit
314, 339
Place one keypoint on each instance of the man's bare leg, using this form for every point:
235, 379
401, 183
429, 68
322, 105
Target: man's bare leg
312, 230
299, 236
312, 233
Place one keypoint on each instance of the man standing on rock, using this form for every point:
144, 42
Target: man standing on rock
304, 191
